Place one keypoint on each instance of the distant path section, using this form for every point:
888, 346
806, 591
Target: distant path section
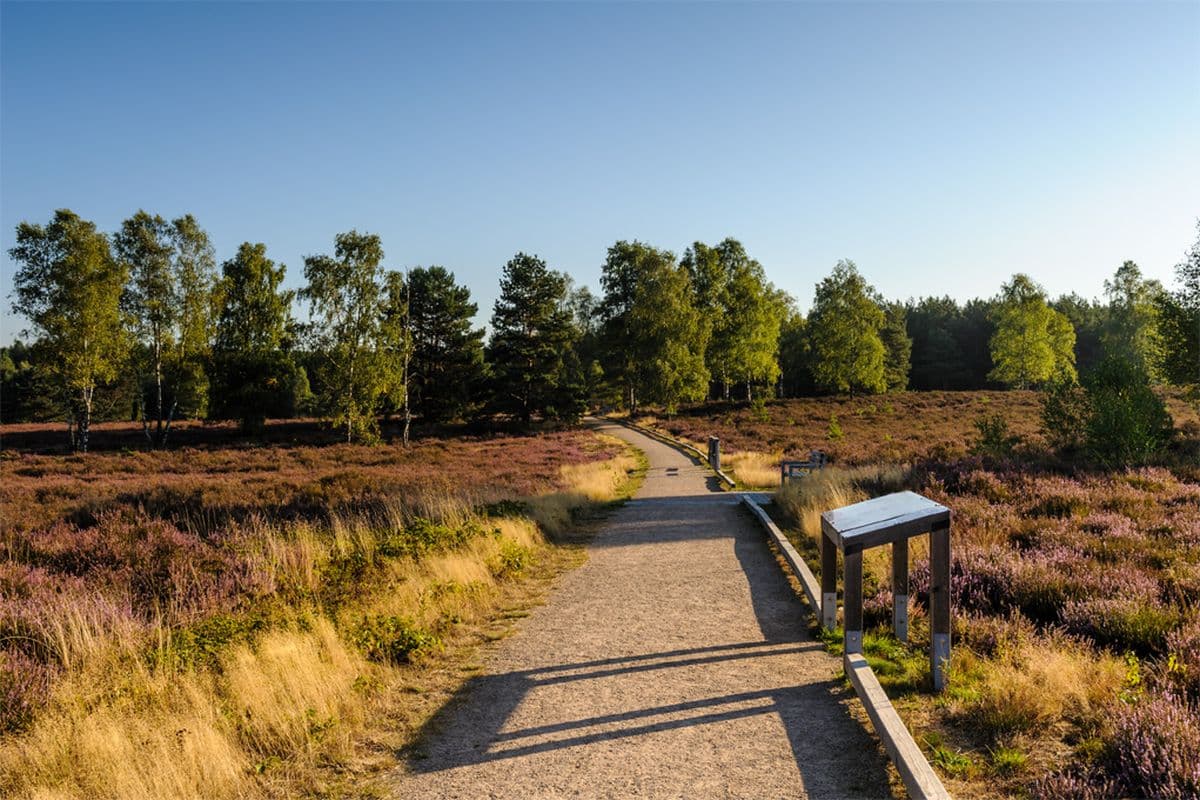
674, 663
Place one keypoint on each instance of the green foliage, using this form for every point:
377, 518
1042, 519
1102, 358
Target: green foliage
170, 304
202, 643
950, 343
1091, 321
1132, 330
69, 287
1007, 761
950, 761
758, 409
1179, 320
897, 346
795, 357
834, 432
653, 332
994, 438
346, 294
253, 374
447, 352
1129, 423
512, 561
532, 339
843, 333
389, 639
1065, 414
394, 356
1033, 343
741, 310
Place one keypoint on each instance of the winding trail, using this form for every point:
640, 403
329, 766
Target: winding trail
674, 663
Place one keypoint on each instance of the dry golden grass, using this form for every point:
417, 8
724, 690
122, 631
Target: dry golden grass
1042, 683
287, 713
752, 469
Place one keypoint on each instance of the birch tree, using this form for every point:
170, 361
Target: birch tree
69, 287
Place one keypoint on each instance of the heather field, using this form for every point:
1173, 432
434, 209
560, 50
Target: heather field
1076, 667
274, 620
892, 428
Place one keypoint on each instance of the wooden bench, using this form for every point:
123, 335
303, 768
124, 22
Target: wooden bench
798, 469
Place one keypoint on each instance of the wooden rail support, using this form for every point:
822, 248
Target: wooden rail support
939, 602
900, 588
714, 452
828, 582
892, 519
852, 614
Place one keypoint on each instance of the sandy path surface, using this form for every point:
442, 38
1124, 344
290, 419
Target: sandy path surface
674, 663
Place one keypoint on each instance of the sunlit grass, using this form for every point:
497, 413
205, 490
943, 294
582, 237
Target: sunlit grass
273, 694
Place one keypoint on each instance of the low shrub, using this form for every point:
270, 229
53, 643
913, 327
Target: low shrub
1065, 414
1128, 423
1156, 748
511, 560
1121, 623
24, 684
994, 437
391, 639
1074, 784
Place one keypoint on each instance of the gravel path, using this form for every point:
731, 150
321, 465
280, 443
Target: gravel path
674, 663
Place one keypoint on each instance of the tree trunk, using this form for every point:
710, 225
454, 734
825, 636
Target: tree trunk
158, 384
85, 419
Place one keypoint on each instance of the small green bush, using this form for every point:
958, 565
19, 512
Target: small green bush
1065, 414
391, 639
835, 431
1129, 423
511, 561
994, 439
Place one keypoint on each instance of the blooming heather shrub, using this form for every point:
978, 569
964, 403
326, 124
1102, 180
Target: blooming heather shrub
1182, 669
1156, 748
24, 684
1073, 784
160, 566
980, 580
1122, 623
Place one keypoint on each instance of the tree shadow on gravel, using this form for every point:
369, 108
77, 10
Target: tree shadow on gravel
472, 728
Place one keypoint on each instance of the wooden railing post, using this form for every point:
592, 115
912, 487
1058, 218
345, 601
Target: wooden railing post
828, 582
939, 603
900, 588
852, 602
714, 453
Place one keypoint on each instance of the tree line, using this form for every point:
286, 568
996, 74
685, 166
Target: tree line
144, 324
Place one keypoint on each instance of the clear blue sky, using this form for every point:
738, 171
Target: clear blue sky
941, 146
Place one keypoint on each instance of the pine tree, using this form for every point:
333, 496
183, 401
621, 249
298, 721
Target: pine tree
447, 356
253, 371
532, 341
897, 346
